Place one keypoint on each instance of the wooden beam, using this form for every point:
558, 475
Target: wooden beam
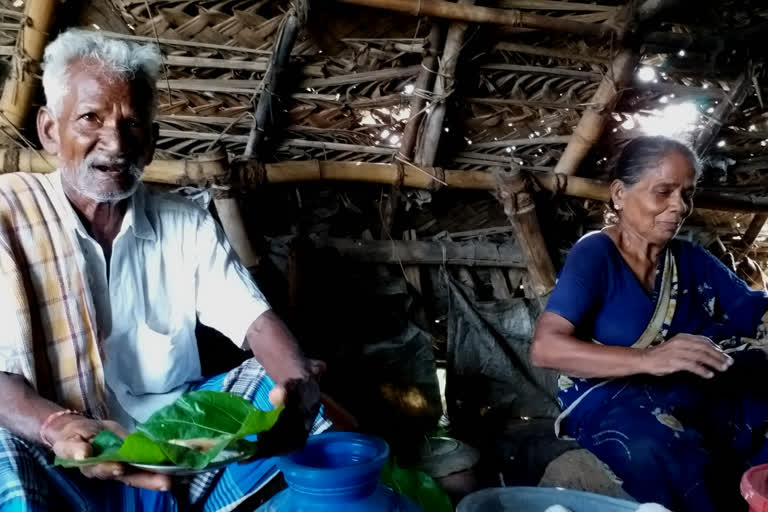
475, 14
424, 82
412, 272
418, 252
513, 191
755, 226
444, 85
593, 121
231, 219
264, 115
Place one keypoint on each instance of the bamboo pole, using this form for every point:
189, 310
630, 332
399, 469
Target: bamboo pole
424, 82
593, 121
755, 226
203, 170
444, 84
443, 87
289, 30
513, 192
413, 277
229, 209
20, 87
212, 168
475, 14
231, 219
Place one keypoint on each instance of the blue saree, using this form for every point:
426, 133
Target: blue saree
663, 436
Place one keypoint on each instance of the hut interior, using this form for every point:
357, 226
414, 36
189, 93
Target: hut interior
405, 177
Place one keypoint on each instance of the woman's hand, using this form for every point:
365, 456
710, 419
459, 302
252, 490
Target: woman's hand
71, 437
686, 352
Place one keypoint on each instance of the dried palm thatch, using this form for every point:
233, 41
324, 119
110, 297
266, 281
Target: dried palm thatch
519, 95
11, 44
11, 14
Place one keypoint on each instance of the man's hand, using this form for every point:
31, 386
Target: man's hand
686, 352
301, 401
71, 437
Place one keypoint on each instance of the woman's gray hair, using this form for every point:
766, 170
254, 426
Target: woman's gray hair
645, 153
135, 61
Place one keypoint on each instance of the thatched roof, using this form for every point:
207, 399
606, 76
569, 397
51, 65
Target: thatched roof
518, 94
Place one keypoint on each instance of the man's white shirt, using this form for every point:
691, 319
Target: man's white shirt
171, 263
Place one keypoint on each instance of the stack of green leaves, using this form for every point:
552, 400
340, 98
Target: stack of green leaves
192, 433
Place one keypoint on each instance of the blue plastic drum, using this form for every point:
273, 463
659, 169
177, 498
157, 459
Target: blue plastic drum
337, 471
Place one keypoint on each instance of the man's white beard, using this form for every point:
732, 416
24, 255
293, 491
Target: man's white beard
86, 179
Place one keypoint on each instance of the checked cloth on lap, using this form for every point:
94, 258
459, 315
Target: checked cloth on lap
49, 332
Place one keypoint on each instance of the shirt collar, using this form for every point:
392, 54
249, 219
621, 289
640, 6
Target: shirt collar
135, 215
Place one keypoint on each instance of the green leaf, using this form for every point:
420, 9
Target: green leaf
192, 432
417, 485
138, 448
106, 441
205, 416
108, 447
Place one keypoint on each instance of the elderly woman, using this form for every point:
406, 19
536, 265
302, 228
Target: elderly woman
639, 325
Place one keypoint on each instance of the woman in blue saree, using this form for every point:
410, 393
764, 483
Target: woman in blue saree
658, 344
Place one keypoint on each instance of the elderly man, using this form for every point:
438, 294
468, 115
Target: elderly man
101, 285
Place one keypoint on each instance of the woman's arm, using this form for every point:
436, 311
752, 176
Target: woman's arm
555, 347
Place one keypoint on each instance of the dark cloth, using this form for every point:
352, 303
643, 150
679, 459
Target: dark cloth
681, 441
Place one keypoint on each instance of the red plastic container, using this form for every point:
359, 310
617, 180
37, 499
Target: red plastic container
754, 488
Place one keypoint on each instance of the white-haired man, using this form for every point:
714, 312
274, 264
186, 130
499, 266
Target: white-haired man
101, 284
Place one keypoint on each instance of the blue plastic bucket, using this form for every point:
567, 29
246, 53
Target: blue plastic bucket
538, 499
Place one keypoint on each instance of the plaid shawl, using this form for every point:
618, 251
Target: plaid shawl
49, 332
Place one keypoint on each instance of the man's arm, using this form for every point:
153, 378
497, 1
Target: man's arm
275, 347
23, 411
296, 389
